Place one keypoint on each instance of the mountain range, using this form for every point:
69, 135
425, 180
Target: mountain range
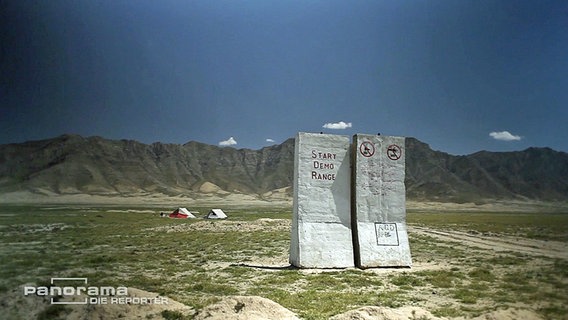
72, 164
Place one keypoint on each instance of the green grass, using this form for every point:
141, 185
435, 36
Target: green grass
407, 281
442, 278
173, 315
53, 312
199, 267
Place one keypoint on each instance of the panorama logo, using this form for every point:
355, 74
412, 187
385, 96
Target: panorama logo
77, 291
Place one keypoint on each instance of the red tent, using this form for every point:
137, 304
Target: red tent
181, 213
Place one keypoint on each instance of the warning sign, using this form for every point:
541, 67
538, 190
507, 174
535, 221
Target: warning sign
367, 149
394, 152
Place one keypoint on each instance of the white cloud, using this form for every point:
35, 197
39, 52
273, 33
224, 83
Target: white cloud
338, 125
504, 136
269, 140
230, 142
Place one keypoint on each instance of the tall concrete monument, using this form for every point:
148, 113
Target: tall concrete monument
321, 234
349, 202
379, 202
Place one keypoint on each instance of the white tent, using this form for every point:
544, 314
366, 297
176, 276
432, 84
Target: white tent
181, 213
216, 214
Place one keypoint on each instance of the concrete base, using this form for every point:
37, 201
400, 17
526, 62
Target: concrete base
323, 245
382, 245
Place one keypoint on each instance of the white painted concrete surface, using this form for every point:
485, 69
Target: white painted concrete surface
321, 234
379, 207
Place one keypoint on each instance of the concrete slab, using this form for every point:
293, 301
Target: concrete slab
321, 234
378, 217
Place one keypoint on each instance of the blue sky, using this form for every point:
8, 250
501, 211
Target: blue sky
462, 76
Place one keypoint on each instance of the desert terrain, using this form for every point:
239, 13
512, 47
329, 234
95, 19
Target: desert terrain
490, 261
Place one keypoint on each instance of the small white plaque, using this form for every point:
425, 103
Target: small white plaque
387, 234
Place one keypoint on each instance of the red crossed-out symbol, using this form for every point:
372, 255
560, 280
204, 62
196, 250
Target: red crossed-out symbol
367, 149
394, 152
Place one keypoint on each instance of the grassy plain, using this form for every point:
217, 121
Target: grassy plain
197, 262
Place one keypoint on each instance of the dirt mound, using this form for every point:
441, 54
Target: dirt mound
245, 308
208, 187
136, 309
509, 314
138, 304
405, 313
383, 313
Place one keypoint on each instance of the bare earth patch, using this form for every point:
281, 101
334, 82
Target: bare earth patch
263, 224
499, 243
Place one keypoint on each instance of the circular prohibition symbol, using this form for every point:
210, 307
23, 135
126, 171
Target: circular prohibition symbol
394, 152
367, 149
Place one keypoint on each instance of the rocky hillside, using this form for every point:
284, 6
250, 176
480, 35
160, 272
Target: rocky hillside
535, 173
72, 164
